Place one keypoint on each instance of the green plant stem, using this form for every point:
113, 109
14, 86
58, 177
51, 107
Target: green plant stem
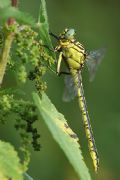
5, 55
7, 46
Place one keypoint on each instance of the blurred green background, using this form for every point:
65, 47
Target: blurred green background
97, 24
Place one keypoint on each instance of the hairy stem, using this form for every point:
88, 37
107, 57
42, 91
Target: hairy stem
5, 55
7, 45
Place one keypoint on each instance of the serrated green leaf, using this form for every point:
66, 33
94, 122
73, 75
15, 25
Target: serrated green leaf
4, 3
43, 14
44, 26
27, 177
10, 167
62, 134
20, 16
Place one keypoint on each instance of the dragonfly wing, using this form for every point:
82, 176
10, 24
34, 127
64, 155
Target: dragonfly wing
69, 91
93, 60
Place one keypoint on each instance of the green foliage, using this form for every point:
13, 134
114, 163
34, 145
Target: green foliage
30, 51
43, 24
10, 167
4, 3
62, 134
26, 115
7, 11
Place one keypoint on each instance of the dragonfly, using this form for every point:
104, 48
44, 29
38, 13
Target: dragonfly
75, 56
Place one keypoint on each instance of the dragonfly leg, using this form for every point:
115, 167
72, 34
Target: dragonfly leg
55, 36
59, 63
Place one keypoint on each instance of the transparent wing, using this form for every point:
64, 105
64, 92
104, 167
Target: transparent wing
93, 60
70, 91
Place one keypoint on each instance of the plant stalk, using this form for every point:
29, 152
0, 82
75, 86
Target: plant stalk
7, 45
5, 55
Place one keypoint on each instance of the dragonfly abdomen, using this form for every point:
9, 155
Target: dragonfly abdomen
88, 129
86, 119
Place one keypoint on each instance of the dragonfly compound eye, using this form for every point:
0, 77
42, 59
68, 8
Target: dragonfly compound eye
70, 34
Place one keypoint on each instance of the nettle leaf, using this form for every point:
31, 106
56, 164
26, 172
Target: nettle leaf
4, 3
44, 31
43, 22
20, 16
43, 14
62, 134
10, 167
27, 177
44, 26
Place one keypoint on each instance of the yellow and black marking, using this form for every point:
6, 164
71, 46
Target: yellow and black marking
86, 119
74, 55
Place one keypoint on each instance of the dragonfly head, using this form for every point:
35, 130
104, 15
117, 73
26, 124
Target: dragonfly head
68, 34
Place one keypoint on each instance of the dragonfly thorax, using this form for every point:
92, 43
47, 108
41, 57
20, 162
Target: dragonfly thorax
73, 54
